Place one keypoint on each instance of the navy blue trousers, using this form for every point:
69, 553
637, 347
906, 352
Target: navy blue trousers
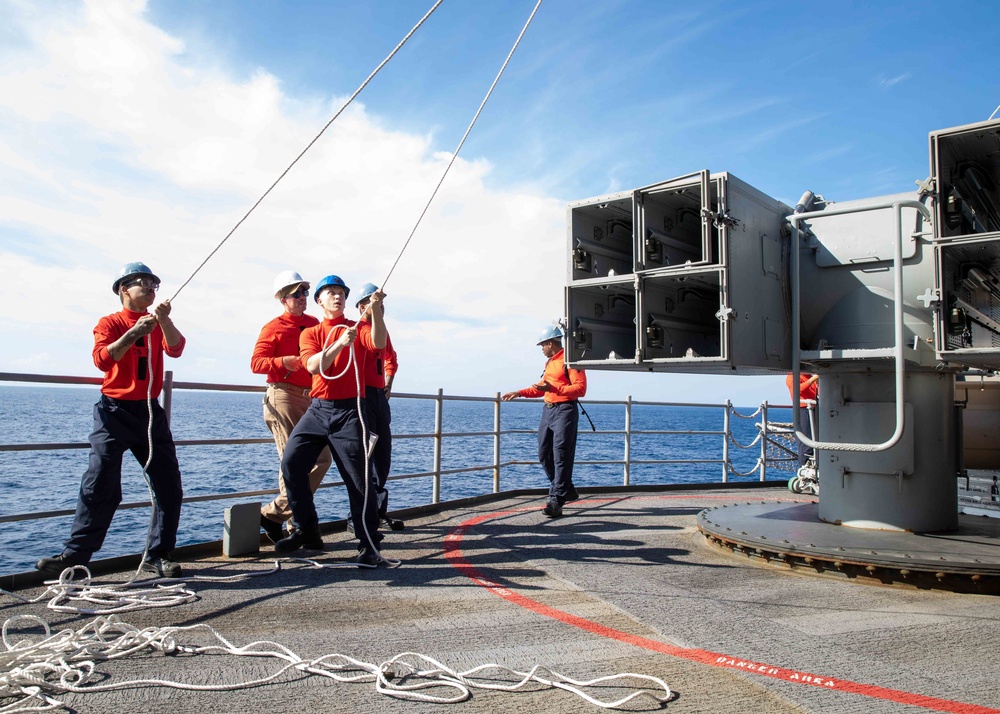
121, 425
332, 423
379, 418
557, 446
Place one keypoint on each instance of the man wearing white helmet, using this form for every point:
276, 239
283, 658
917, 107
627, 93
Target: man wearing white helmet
128, 347
561, 387
276, 354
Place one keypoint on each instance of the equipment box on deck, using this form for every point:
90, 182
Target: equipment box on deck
706, 285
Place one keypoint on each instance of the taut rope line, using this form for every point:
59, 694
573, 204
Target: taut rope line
462, 142
309, 145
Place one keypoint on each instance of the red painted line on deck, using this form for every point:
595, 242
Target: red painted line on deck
453, 552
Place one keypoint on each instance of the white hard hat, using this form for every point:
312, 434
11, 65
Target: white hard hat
287, 279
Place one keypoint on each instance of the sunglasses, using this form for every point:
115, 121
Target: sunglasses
301, 292
147, 283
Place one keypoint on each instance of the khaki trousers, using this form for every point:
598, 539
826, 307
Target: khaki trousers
283, 407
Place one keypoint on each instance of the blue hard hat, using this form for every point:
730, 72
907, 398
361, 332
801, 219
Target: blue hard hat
327, 282
130, 270
552, 332
367, 290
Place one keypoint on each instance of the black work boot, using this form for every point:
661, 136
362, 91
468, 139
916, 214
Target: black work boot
309, 539
272, 530
162, 565
57, 564
393, 524
366, 558
553, 509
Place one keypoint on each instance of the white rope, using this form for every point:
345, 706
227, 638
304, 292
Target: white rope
732, 410
734, 472
310, 144
76, 584
35, 671
732, 440
461, 143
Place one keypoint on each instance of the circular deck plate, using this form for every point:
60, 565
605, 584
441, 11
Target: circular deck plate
789, 534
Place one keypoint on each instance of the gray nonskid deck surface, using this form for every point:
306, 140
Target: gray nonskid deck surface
631, 563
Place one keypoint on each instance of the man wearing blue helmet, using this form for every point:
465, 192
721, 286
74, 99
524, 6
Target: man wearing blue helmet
380, 370
561, 387
334, 352
128, 347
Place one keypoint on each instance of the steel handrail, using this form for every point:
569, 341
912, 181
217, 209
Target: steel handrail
897, 287
438, 435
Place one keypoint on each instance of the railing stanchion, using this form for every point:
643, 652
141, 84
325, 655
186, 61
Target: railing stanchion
763, 442
438, 421
628, 439
496, 443
726, 426
168, 393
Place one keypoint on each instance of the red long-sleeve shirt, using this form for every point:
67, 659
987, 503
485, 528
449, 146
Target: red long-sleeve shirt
805, 392
128, 378
314, 339
563, 389
280, 338
380, 364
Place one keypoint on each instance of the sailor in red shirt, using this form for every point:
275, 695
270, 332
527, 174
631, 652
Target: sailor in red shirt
276, 354
335, 419
561, 387
128, 347
808, 395
380, 370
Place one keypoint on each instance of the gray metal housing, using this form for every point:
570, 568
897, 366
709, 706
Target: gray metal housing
684, 275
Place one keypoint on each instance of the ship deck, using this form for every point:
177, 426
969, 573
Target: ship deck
624, 582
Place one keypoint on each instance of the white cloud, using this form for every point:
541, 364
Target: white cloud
116, 146
182, 154
887, 82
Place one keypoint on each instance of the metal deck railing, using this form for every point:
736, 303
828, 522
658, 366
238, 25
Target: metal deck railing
771, 445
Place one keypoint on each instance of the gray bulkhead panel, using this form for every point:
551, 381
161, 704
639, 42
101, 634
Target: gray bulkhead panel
846, 274
965, 169
705, 290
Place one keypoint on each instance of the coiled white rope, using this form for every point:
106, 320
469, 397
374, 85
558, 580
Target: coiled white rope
76, 584
35, 671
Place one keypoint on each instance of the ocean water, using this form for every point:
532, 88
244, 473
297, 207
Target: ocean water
49, 480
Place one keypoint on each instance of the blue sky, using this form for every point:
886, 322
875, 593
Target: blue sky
133, 130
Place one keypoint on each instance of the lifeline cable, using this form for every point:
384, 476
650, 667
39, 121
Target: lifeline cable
310, 144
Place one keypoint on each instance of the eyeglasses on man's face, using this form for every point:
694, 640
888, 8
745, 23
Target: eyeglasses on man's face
300, 293
147, 283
